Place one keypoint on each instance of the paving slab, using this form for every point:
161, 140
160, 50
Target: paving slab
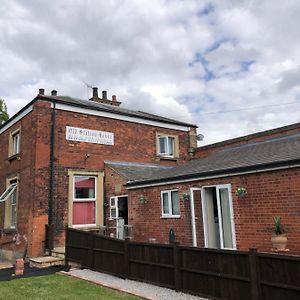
140, 289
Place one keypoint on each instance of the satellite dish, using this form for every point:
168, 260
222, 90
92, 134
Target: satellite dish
199, 137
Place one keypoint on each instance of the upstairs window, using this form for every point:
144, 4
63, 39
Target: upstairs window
170, 204
14, 143
167, 146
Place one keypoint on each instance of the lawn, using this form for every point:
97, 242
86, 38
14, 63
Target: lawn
56, 287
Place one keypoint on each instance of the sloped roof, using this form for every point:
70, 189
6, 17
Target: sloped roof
112, 109
280, 151
135, 171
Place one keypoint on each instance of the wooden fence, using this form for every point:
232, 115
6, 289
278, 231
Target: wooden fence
217, 274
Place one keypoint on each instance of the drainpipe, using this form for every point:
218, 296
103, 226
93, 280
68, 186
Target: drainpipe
51, 180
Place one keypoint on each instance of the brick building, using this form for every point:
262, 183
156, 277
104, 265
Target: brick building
52, 156
97, 166
198, 200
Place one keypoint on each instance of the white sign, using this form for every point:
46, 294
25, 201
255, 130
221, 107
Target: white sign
89, 136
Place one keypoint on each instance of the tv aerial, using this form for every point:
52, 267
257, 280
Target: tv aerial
88, 87
200, 137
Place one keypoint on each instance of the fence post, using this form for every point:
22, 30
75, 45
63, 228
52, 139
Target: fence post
177, 274
91, 251
126, 258
255, 291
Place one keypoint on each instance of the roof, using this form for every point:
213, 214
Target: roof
274, 152
251, 136
135, 171
112, 109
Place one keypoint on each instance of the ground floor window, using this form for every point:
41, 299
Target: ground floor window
10, 197
170, 204
218, 217
85, 199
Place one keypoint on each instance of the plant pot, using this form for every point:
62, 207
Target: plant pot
279, 241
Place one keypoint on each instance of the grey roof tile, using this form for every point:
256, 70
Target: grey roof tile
135, 171
280, 150
113, 109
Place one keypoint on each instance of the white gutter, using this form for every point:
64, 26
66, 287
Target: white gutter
16, 119
210, 177
111, 115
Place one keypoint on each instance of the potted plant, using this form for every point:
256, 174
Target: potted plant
241, 192
279, 239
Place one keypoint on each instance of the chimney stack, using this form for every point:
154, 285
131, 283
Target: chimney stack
104, 99
53, 93
95, 92
41, 92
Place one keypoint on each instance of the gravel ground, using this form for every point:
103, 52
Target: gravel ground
144, 290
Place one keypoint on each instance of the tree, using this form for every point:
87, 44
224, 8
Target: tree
4, 116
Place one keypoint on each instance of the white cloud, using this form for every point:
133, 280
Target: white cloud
182, 59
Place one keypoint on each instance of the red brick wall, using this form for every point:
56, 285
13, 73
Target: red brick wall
133, 142
268, 194
24, 168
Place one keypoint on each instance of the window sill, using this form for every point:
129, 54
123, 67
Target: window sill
9, 230
170, 217
15, 156
161, 157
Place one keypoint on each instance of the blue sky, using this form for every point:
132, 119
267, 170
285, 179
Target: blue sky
224, 65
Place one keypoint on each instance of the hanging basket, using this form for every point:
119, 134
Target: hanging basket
241, 192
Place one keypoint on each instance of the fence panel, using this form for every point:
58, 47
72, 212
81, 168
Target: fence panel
222, 274
109, 255
77, 247
152, 263
217, 273
279, 276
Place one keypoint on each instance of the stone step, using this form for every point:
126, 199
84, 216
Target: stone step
58, 252
46, 262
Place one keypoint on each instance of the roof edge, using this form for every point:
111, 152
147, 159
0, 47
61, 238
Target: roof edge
250, 136
232, 171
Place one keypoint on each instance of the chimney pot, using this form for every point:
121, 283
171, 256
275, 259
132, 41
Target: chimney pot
104, 94
114, 98
95, 92
41, 92
54, 93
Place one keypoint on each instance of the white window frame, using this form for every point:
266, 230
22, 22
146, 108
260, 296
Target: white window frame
203, 203
94, 199
8, 192
15, 137
111, 207
167, 153
169, 193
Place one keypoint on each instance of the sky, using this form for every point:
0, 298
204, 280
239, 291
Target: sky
230, 67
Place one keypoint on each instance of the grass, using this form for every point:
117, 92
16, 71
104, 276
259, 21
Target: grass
56, 287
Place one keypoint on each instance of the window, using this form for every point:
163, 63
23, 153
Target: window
167, 146
10, 197
113, 208
84, 201
14, 143
170, 203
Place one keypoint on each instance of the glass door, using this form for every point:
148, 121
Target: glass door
225, 214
